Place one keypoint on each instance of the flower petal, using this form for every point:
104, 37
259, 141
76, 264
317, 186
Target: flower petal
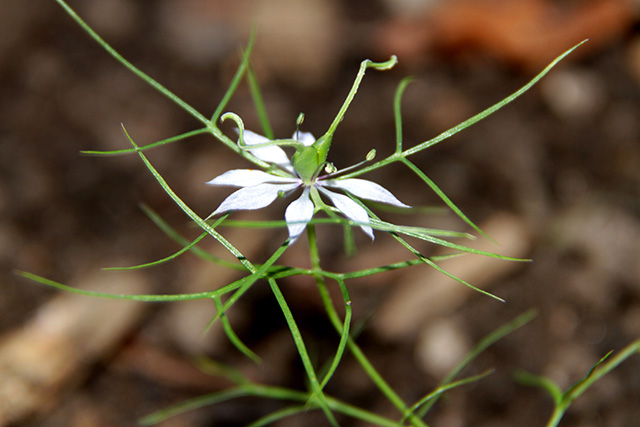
250, 198
298, 215
272, 154
305, 137
350, 209
365, 190
248, 178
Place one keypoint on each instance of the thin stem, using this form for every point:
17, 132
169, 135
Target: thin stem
602, 368
344, 336
231, 334
487, 341
367, 63
443, 197
269, 392
148, 146
190, 213
397, 111
173, 234
258, 101
377, 165
248, 281
244, 66
396, 156
111, 51
131, 297
302, 351
184, 249
490, 110
377, 379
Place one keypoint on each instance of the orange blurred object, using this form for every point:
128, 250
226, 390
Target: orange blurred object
526, 33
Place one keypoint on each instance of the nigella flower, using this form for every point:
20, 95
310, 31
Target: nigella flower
259, 189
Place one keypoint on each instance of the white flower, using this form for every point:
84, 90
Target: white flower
259, 189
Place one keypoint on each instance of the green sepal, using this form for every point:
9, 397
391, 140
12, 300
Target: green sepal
322, 146
305, 162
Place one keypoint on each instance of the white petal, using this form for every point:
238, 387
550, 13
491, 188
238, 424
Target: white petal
252, 138
255, 197
298, 215
248, 178
365, 190
350, 209
272, 154
305, 137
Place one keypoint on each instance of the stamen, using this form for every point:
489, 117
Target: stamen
371, 155
296, 136
333, 172
330, 168
319, 169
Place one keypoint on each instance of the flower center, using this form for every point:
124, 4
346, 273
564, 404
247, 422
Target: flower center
306, 162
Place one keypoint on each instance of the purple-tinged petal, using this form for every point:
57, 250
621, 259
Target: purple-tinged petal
250, 198
305, 137
298, 215
364, 189
350, 209
272, 154
248, 178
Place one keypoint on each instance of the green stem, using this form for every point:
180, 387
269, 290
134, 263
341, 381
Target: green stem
490, 110
248, 281
210, 124
258, 101
397, 112
111, 51
602, 368
396, 156
367, 63
318, 394
268, 392
240, 72
377, 379
444, 197
190, 213
344, 336
487, 341
558, 413
231, 334
377, 165
148, 146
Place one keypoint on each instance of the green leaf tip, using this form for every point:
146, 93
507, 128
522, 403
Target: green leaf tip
382, 66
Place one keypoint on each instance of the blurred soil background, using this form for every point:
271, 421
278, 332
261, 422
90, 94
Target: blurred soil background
554, 176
